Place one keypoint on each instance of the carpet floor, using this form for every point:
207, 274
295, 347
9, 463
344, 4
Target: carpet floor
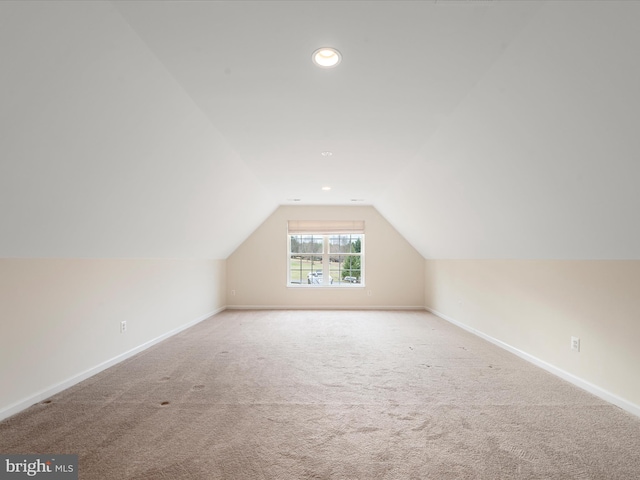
329, 395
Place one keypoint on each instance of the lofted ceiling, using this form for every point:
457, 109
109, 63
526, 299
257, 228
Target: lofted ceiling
247, 65
479, 129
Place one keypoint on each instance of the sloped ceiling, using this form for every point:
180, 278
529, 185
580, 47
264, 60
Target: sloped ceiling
479, 129
103, 153
542, 157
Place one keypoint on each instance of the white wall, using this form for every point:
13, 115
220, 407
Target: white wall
535, 306
60, 318
257, 270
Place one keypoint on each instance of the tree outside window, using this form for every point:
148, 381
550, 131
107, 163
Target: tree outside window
326, 260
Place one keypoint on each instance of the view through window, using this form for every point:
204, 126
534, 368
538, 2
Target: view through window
326, 259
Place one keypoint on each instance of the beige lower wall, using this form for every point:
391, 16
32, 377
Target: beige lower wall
537, 305
257, 270
61, 317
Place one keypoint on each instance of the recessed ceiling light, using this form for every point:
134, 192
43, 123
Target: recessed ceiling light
327, 154
357, 199
326, 57
293, 199
326, 189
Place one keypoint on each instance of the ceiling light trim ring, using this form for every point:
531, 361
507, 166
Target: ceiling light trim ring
326, 57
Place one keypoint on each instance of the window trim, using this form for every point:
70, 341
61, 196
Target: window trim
326, 262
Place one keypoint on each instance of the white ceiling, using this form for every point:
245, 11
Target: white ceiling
479, 129
247, 66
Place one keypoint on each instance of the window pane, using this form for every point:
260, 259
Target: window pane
296, 243
345, 243
335, 266
304, 268
306, 243
351, 269
334, 269
346, 269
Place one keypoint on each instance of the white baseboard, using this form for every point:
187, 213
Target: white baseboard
577, 381
324, 307
52, 390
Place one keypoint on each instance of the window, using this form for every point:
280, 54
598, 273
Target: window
333, 255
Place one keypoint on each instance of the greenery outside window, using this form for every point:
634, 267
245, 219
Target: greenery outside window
326, 258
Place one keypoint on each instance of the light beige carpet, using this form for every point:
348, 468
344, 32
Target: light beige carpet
329, 395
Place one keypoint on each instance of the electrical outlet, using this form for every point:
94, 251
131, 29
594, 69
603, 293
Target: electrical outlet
369, 293
233, 293
575, 344
123, 326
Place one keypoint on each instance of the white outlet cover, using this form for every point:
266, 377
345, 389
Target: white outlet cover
575, 343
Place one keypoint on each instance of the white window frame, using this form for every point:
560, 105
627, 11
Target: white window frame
326, 256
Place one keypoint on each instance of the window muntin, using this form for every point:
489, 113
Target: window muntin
326, 260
